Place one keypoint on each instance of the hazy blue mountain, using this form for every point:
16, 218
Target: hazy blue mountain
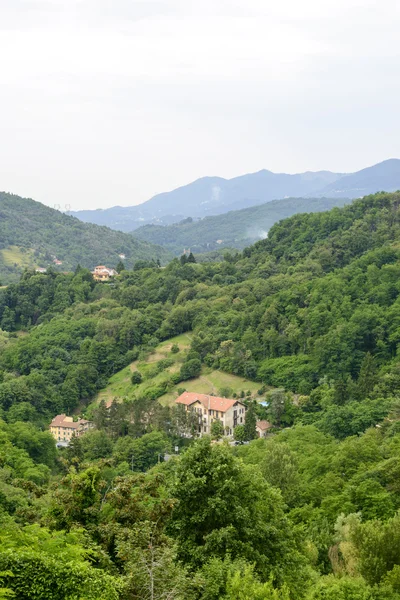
235, 229
209, 196
215, 195
384, 176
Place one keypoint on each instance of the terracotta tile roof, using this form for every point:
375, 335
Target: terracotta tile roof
60, 421
263, 425
211, 402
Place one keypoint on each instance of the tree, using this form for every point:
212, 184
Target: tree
277, 406
245, 585
280, 469
96, 444
250, 431
239, 433
174, 348
152, 570
136, 377
37, 563
101, 416
217, 429
344, 588
191, 258
367, 377
190, 369
225, 507
120, 267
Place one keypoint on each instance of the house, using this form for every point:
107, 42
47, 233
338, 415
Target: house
102, 273
262, 428
41, 270
211, 408
57, 262
63, 428
122, 256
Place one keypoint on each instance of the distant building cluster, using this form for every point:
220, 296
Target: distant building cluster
64, 428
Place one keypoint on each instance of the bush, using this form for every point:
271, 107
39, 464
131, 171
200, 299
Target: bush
164, 364
136, 377
176, 378
174, 348
190, 369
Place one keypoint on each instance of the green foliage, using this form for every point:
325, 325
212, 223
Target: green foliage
226, 508
217, 429
239, 433
244, 585
50, 566
144, 452
190, 369
250, 432
136, 377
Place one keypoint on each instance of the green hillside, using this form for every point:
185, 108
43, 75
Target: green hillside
140, 507
236, 229
33, 235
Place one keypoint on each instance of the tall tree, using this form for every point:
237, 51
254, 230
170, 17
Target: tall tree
250, 422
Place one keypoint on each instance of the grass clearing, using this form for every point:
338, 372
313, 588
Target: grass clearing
209, 382
120, 385
14, 255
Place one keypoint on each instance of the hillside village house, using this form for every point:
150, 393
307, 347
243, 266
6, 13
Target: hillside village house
262, 428
210, 408
102, 273
63, 428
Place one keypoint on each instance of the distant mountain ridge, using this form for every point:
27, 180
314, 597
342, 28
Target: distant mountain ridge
235, 229
216, 195
33, 235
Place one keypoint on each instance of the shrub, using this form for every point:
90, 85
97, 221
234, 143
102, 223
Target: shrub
136, 377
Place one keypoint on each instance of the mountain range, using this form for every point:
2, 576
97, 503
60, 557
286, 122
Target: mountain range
216, 195
33, 235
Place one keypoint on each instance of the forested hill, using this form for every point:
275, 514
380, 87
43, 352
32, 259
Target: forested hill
312, 316
33, 235
235, 229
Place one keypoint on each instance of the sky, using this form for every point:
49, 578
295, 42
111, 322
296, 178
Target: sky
108, 102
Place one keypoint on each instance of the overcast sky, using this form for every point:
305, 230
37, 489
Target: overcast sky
106, 102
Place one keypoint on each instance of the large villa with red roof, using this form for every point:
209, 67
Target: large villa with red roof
210, 408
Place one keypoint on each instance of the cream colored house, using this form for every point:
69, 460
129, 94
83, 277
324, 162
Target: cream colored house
63, 428
102, 273
211, 408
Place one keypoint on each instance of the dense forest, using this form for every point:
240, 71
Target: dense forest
312, 314
235, 229
33, 235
